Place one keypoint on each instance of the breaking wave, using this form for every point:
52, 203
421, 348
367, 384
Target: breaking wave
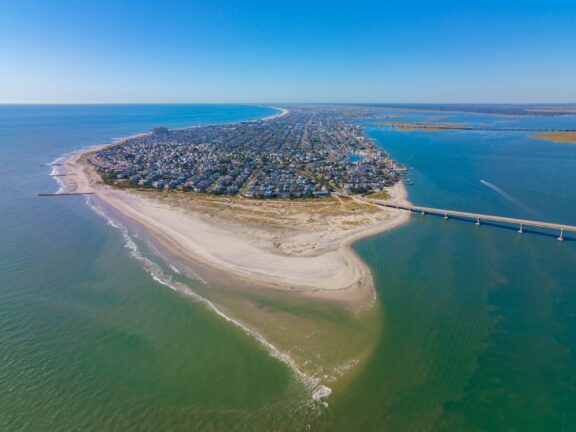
56, 171
318, 391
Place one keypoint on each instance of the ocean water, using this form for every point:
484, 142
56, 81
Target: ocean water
88, 339
479, 323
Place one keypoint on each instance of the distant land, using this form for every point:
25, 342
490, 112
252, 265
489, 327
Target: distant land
551, 109
560, 137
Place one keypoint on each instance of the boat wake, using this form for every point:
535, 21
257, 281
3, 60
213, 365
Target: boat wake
317, 390
506, 195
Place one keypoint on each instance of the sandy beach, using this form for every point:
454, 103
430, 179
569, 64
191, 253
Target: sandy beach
297, 246
283, 112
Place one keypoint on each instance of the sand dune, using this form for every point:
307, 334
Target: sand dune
300, 246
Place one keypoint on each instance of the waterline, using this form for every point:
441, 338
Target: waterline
318, 391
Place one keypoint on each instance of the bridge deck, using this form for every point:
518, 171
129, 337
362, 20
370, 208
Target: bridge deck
480, 217
416, 125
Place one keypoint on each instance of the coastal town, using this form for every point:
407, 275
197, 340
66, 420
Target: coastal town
307, 152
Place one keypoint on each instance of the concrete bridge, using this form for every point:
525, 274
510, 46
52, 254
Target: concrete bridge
479, 218
416, 125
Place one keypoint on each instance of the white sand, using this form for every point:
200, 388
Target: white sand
309, 258
283, 112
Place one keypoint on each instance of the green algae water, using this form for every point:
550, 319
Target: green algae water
477, 329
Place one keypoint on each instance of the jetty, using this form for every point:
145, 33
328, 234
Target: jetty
64, 194
478, 218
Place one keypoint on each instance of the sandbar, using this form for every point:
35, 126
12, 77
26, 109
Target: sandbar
559, 137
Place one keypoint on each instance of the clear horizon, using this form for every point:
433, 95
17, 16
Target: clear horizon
69, 52
271, 104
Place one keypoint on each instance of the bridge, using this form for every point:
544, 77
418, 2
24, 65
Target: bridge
416, 125
479, 218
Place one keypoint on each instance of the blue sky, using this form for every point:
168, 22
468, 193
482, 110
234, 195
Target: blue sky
287, 51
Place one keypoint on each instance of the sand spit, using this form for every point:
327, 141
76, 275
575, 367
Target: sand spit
297, 246
282, 112
559, 137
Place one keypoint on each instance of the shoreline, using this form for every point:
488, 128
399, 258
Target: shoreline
274, 280
283, 112
318, 263
328, 270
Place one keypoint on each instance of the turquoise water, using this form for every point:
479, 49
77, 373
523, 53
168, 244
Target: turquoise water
479, 328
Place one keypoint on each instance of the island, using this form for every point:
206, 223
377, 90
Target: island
559, 137
265, 211
276, 202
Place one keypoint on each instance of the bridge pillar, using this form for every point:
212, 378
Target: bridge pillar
561, 238
445, 215
423, 212
521, 230
477, 221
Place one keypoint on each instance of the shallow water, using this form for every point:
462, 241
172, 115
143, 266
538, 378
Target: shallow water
477, 329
